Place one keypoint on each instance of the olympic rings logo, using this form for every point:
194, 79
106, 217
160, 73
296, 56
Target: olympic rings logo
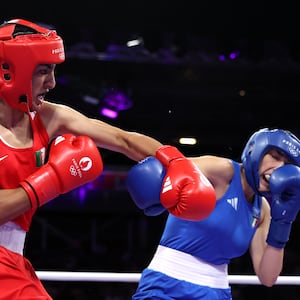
73, 170
294, 152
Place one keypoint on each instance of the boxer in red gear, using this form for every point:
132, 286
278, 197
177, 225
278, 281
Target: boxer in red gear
16, 164
17, 275
29, 54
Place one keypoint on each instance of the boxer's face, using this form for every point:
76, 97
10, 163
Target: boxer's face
43, 80
272, 160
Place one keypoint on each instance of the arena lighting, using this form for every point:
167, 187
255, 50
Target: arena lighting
107, 112
234, 55
111, 103
231, 56
91, 100
187, 141
135, 42
114, 101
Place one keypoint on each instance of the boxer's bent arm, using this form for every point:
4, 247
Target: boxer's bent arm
13, 202
72, 162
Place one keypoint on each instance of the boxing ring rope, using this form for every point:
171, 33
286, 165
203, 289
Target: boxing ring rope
135, 277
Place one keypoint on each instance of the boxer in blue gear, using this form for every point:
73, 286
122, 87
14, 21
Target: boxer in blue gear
257, 201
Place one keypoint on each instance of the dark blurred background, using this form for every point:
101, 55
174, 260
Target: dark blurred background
213, 70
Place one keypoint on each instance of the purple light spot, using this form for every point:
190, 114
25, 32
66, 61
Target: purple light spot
109, 113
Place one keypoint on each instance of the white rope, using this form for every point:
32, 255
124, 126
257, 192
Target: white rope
135, 277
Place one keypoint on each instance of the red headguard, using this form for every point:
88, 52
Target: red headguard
23, 46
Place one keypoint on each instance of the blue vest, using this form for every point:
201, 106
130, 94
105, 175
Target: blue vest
225, 234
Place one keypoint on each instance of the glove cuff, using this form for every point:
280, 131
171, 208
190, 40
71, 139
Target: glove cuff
166, 154
32, 196
279, 233
41, 186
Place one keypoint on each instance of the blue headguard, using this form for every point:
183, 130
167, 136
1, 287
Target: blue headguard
259, 143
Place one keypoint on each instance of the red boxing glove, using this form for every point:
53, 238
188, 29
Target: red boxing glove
186, 192
72, 162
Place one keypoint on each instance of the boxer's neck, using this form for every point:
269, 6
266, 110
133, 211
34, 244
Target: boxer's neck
15, 127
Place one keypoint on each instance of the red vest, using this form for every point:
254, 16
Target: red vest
18, 163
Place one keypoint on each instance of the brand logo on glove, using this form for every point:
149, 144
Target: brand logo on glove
84, 164
59, 139
167, 185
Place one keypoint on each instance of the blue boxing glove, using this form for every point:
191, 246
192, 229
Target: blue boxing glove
144, 183
285, 191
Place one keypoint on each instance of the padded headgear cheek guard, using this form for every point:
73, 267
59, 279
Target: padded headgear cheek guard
23, 46
259, 143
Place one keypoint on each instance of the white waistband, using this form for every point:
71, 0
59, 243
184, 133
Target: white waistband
186, 267
12, 237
